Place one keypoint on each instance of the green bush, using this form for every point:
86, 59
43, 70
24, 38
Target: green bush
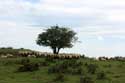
58, 68
72, 63
71, 67
86, 64
24, 61
83, 56
78, 64
53, 69
44, 63
101, 75
86, 79
49, 59
76, 71
92, 68
26, 66
59, 77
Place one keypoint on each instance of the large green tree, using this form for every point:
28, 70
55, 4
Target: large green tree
56, 38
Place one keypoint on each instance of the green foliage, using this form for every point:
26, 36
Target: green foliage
24, 61
49, 59
57, 37
27, 66
101, 75
59, 77
86, 79
44, 63
54, 69
92, 68
76, 71
58, 68
69, 68
12, 51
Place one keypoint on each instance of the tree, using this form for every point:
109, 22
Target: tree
56, 38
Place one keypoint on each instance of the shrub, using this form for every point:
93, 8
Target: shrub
86, 79
92, 68
78, 64
71, 67
24, 61
58, 68
26, 65
76, 71
72, 63
86, 64
59, 77
80, 70
44, 63
68, 63
53, 69
49, 59
101, 75
83, 56
109, 65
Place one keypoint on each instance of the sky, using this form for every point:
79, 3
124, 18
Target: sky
100, 24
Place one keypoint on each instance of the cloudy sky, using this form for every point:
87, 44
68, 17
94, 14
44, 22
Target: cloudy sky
100, 24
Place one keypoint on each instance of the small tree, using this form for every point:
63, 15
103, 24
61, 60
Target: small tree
56, 38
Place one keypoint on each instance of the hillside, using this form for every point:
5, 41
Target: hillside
10, 50
49, 70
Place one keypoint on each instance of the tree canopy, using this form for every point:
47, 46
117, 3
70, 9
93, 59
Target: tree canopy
56, 38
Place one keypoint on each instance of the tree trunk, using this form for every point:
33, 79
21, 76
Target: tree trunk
54, 50
58, 49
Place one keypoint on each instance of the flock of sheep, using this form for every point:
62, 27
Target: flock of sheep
45, 54
111, 58
36, 54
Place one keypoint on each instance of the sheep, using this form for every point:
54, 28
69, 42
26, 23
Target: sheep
3, 56
34, 56
45, 54
25, 53
103, 58
9, 56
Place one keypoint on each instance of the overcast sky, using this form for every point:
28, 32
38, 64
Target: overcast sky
100, 24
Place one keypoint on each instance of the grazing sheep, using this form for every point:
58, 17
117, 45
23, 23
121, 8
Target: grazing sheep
45, 54
3, 56
34, 56
103, 58
9, 56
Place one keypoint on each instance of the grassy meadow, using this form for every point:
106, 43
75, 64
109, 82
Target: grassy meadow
114, 71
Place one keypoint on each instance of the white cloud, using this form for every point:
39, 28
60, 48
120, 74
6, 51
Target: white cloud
100, 38
14, 8
17, 35
97, 19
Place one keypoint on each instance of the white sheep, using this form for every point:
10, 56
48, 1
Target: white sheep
3, 56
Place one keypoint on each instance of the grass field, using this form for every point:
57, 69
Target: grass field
114, 70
